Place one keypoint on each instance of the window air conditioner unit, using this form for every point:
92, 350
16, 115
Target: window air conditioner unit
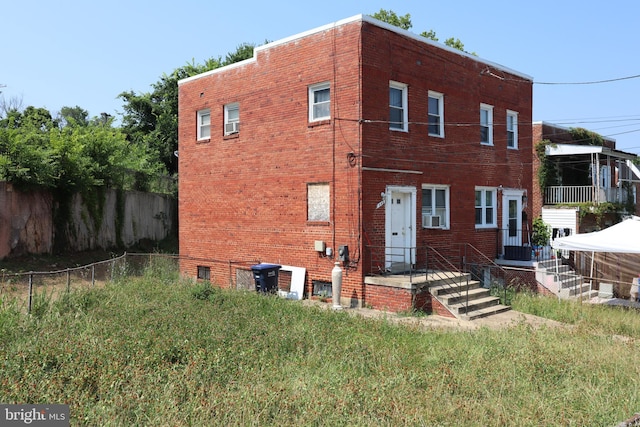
231, 127
431, 221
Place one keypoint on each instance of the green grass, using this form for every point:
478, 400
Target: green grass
159, 350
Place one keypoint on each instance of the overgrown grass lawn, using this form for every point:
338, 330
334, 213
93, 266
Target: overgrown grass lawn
161, 351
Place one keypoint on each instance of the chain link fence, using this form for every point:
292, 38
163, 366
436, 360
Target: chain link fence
26, 288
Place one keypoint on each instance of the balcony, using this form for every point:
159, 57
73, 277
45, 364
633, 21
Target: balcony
572, 194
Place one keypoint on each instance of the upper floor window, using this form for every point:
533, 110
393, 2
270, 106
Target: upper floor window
398, 113
435, 206
486, 124
486, 212
436, 114
512, 129
231, 118
204, 124
319, 102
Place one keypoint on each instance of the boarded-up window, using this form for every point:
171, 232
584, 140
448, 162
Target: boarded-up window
318, 202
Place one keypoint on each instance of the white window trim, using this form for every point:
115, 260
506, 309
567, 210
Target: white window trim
494, 220
513, 114
489, 109
447, 198
227, 121
312, 90
200, 126
440, 97
405, 106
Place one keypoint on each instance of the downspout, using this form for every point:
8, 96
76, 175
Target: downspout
363, 296
333, 137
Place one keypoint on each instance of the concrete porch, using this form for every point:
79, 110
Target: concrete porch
449, 294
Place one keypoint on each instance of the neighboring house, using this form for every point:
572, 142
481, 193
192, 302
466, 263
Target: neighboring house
582, 183
356, 138
587, 184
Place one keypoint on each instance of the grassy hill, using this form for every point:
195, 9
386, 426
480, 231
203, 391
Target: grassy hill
159, 350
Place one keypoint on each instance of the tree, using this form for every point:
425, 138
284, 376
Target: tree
73, 116
390, 17
404, 22
36, 153
151, 119
7, 106
429, 35
243, 51
38, 118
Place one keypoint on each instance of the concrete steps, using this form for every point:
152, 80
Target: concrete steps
465, 298
563, 281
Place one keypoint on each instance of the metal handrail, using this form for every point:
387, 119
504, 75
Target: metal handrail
447, 265
467, 250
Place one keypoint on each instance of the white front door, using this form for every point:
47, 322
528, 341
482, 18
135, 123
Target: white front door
400, 228
512, 231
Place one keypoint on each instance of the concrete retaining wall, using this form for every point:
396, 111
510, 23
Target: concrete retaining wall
26, 224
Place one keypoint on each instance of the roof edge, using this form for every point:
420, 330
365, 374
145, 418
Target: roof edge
356, 18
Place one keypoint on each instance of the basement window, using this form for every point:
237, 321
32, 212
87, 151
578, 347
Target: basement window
204, 273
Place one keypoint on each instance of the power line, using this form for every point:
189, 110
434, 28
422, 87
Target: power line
487, 71
591, 82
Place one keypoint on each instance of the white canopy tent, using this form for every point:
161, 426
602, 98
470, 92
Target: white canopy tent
623, 237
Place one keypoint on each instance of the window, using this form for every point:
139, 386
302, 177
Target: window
486, 124
398, 115
436, 114
204, 124
318, 202
435, 206
512, 129
319, 102
486, 212
231, 118
204, 273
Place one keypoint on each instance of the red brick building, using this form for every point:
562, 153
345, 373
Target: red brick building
355, 134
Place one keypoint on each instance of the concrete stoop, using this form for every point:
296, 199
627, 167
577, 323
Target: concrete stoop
466, 299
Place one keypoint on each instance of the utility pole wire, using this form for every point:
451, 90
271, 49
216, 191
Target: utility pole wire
589, 83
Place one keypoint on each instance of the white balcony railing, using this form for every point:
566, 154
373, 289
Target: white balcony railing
555, 195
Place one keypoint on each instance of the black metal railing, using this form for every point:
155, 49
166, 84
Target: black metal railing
443, 270
406, 261
485, 270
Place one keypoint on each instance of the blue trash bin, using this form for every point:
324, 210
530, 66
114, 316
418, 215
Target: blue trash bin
266, 277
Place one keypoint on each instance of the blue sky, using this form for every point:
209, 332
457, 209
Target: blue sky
70, 52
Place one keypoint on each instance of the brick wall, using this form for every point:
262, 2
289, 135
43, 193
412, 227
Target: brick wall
458, 160
245, 197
